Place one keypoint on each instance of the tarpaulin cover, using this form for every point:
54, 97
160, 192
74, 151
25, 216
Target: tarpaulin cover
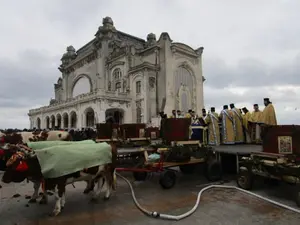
46, 144
60, 160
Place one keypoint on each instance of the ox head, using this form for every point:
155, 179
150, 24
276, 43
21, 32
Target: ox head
6, 152
16, 166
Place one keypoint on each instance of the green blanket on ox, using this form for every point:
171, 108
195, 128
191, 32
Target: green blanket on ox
47, 144
60, 160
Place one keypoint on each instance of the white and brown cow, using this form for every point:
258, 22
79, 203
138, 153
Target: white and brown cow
24, 137
94, 175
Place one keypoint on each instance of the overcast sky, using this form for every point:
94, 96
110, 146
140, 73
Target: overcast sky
251, 48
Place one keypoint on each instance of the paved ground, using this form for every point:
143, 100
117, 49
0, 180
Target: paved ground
218, 206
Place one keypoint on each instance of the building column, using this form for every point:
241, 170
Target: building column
146, 97
50, 122
69, 121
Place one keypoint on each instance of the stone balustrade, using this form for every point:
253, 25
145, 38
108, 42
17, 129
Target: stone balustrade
96, 94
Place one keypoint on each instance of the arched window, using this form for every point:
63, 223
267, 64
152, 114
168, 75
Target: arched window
183, 78
116, 78
138, 87
118, 87
184, 102
81, 86
117, 74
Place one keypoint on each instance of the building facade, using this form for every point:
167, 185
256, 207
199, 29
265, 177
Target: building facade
125, 77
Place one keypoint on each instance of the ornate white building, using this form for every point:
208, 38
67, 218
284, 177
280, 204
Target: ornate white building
123, 76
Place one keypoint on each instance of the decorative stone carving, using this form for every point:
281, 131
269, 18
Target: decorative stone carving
152, 83
52, 101
124, 85
105, 32
199, 51
69, 55
151, 40
185, 65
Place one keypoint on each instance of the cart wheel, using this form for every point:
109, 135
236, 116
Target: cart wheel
298, 198
187, 169
245, 180
167, 179
213, 170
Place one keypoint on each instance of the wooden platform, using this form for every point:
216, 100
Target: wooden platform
174, 164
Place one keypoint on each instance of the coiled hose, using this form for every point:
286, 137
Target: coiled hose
190, 212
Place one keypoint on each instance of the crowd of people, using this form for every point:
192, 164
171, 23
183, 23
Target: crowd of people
232, 125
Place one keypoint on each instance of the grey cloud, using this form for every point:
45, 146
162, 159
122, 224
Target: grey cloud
282, 98
250, 72
28, 80
71, 14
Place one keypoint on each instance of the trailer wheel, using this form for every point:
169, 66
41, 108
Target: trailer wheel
187, 169
167, 179
245, 180
213, 170
298, 198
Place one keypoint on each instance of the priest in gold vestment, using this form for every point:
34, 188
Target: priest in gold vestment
189, 114
269, 115
237, 124
256, 120
212, 120
246, 120
227, 131
256, 115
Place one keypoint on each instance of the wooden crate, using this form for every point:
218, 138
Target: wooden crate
132, 130
176, 129
284, 139
107, 130
152, 132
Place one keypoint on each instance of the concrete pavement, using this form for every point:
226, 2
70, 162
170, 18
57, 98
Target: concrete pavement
218, 206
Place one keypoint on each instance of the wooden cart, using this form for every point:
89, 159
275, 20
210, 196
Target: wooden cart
168, 173
279, 160
175, 149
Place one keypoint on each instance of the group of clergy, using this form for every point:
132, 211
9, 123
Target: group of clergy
234, 125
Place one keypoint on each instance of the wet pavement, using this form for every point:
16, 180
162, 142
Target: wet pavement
217, 206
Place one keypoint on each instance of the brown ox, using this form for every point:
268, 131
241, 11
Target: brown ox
104, 173
24, 137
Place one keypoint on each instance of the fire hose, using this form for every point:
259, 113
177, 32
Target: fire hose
158, 215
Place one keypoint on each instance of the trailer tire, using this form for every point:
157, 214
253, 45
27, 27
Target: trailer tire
245, 180
167, 179
213, 170
187, 169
